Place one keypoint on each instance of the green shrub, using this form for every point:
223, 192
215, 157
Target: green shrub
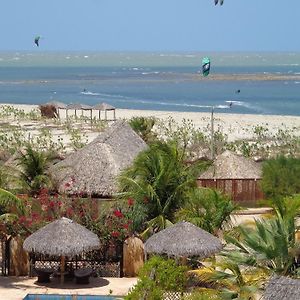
281, 177
157, 276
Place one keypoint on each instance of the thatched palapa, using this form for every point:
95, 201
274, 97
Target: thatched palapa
62, 237
93, 169
183, 240
229, 165
282, 288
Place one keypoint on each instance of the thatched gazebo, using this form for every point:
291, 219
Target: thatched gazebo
93, 169
105, 107
282, 288
54, 107
235, 175
62, 237
78, 106
183, 240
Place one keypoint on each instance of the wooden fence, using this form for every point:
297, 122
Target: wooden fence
240, 190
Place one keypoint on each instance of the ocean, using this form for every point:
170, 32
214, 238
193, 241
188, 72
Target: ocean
255, 83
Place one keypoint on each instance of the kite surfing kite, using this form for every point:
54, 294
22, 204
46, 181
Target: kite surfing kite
205, 66
221, 2
36, 40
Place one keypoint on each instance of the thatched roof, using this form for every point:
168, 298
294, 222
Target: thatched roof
282, 288
229, 165
93, 169
57, 104
103, 106
78, 106
183, 239
62, 237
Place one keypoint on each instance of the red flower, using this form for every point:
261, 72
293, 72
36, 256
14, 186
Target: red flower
118, 213
115, 234
67, 184
35, 216
52, 204
130, 201
126, 226
22, 219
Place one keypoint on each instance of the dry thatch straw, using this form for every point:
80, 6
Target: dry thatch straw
103, 106
62, 237
282, 288
229, 165
93, 169
57, 104
183, 240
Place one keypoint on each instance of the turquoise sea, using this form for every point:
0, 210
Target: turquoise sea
155, 81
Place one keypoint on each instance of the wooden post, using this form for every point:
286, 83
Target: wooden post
62, 269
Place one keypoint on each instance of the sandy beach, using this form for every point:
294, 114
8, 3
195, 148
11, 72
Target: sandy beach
236, 126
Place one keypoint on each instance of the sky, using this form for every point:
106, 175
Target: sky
150, 25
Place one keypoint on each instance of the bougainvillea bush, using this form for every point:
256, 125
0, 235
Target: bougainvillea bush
110, 220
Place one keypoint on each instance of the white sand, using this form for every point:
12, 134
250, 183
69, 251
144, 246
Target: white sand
237, 126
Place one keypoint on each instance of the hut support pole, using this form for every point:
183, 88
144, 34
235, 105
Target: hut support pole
114, 114
62, 269
212, 133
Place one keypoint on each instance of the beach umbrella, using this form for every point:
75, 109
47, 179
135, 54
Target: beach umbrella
62, 237
183, 240
105, 107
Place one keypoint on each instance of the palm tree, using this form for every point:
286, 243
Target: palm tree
10, 206
34, 164
159, 180
143, 127
208, 209
229, 281
269, 246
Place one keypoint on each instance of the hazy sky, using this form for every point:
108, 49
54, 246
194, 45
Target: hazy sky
150, 25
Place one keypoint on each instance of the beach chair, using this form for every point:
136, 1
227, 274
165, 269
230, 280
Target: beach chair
82, 276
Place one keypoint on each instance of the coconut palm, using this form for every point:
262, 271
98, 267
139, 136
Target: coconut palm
34, 166
159, 180
143, 127
208, 209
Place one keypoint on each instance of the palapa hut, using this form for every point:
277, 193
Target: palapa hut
105, 107
282, 288
51, 109
235, 175
79, 106
93, 169
62, 237
183, 240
